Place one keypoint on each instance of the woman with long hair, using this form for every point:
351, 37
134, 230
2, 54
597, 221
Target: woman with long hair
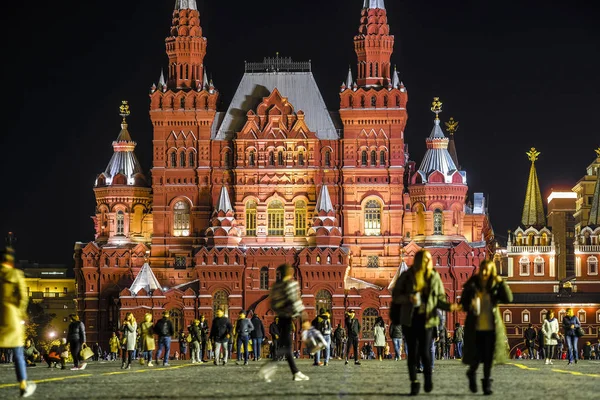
147, 339
485, 333
130, 335
550, 331
379, 337
419, 292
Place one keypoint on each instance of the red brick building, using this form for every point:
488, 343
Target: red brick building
276, 177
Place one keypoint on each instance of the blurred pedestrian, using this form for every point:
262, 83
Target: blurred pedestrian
459, 334
550, 331
420, 292
204, 342
379, 337
257, 336
76, 338
570, 323
529, 335
484, 330
164, 329
274, 332
13, 311
287, 304
220, 334
323, 324
339, 335
130, 336
396, 335
147, 339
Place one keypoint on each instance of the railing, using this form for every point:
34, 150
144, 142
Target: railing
588, 248
49, 295
277, 64
530, 249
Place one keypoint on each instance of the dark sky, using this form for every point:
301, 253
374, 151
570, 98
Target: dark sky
516, 74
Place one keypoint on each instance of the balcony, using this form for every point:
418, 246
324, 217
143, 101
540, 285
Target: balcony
530, 249
50, 295
588, 248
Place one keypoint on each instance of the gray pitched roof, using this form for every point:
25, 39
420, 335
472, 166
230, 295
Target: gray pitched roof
145, 279
324, 200
299, 87
224, 201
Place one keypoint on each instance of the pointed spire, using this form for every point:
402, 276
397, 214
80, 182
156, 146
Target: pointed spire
325, 230
533, 210
185, 5
371, 4
451, 128
161, 80
224, 201
145, 279
401, 269
349, 78
396, 79
324, 201
595, 209
205, 83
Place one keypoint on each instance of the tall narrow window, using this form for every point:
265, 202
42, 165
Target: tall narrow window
376, 69
382, 158
221, 302
524, 266
192, 159
120, 223
251, 218
182, 159
324, 300
301, 158
373, 218
181, 219
264, 278
363, 158
438, 219
373, 101
271, 159
280, 158
252, 159
538, 265
328, 158
592, 263
226, 159
275, 214
368, 322
373, 158
300, 218
176, 316
173, 159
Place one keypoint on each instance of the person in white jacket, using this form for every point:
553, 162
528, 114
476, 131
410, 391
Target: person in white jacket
550, 331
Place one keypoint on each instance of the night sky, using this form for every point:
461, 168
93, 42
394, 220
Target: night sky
516, 74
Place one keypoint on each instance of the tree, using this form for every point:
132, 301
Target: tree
39, 321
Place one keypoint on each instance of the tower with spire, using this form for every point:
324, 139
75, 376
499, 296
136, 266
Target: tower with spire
533, 209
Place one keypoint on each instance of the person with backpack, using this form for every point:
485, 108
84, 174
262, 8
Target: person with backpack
323, 324
13, 310
195, 336
243, 327
164, 329
220, 334
257, 336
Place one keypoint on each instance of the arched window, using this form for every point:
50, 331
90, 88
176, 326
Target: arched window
507, 316
544, 239
181, 219
251, 218
252, 159
221, 302
176, 316
524, 266
120, 223
582, 316
530, 239
328, 158
382, 158
438, 219
397, 101
592, 263
373, 158
192, 159
182, 159
280, 158
300, 218
525, 316
323, 300
373, 218
264, 278
271, 159
538, 264
373, 101
275, 214
368, 321
174, 160
226, 159
363, 158
301, 158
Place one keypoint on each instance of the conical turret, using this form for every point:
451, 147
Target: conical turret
533, 210
325, 230
595, 208
146, 280
223, 231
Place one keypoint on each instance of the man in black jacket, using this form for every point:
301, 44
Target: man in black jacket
274, 332
529, 335
257, 336
194, 330
220, 334
339, 336
164, 329
203, 337
76, 338
353, 332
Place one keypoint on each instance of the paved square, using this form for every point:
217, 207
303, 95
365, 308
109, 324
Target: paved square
373, 380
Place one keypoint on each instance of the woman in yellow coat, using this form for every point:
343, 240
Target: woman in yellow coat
13, 311
147, 338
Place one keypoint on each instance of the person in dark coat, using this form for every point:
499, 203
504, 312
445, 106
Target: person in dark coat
352, 333
274, 332
570, 323
530, 335
257, 336
204, 331
164, 329
76, 339
220, 334
485, 333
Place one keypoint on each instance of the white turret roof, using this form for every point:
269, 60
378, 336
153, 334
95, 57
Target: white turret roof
374, 4
224, 201
438, 158
189, 5
145, 279
324, 201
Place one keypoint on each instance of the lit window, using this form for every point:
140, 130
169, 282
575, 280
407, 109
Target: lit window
120, 223
525, 316
181, 219
373, 218
581, 315
275, 214
368, 322
507, 316
221, 302
264, 278
300, 218
251, 218
438, 220
524, 266
538, 265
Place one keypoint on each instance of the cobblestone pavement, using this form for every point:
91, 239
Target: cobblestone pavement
521, 380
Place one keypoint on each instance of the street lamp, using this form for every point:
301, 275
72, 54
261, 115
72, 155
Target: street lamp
51, 334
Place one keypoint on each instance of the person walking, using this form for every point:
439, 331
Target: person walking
204, 331
550, 331
339, 335
287, 304
257, 336
570, 323
274, 332
419, 292
13, 310
459, 335
243, 327
220, 333
396, 335
352, 334
76, 339
147, 339
164, 329
114, 345
529, 335
323, 324
485, 333
129, 336
196, 335
379, 337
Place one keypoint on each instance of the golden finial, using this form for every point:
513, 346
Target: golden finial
124, 109
533, 154
436, 107
452, 126
598, 151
